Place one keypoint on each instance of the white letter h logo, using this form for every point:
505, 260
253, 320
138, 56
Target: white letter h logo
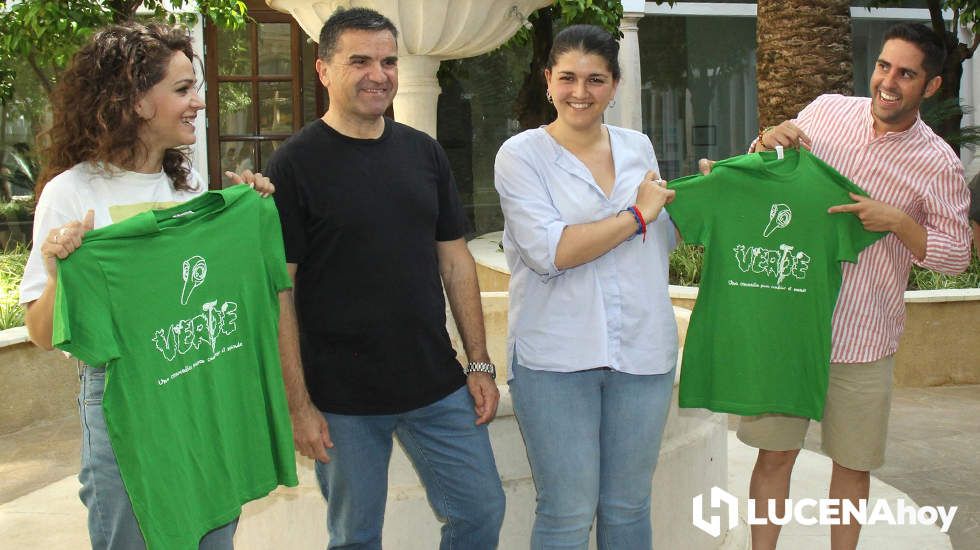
718, 496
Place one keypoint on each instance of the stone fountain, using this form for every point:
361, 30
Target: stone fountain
429, 32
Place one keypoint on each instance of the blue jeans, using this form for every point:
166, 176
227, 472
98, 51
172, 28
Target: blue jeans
111, 523
451, 455
592, 440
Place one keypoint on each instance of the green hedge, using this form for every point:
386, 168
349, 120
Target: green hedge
923, 279
685, 269
11, 272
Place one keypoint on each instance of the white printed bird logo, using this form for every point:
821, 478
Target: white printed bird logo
779, 217
195, 269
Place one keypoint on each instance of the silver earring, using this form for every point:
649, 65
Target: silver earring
611, 104
547, 96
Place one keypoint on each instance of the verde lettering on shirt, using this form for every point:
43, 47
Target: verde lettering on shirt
186, 335
205, 328
777, 264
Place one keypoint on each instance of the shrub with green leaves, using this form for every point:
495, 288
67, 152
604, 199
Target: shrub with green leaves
11, 272
923, 279
685, 265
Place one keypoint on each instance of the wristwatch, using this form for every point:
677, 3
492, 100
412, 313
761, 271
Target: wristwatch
481, 366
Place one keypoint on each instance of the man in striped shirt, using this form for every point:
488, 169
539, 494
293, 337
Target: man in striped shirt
918, 194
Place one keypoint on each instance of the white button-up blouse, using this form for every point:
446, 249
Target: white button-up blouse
614, 311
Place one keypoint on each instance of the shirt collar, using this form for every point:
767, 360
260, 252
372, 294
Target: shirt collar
154, 221
869, 122
567, 161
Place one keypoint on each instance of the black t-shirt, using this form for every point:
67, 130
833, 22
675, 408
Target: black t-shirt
360, 218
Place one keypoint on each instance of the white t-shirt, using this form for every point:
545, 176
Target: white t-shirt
114, 196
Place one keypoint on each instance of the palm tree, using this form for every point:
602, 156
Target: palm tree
804, 50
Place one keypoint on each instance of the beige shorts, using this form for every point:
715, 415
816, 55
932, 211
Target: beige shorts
855, 418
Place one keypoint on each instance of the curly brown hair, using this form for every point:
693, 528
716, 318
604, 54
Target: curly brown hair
93, 106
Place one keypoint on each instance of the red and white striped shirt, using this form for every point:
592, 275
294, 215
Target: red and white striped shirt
914, 171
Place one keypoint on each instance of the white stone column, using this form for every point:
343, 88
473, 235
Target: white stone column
627, 112
970, 97
417, 99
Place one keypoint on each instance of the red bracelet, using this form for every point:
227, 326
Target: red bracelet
641, 221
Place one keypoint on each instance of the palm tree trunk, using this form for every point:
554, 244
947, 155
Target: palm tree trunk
804, 50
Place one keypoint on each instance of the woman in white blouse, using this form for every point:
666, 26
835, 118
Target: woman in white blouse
592, 336
122, 114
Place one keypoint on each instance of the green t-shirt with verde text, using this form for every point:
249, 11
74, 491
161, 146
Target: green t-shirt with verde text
759, 337
181, 306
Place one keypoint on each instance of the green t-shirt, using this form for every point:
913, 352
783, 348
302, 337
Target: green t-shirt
759, 337
181, 306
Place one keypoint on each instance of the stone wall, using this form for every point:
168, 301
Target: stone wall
36, 384
941, 342
940, 345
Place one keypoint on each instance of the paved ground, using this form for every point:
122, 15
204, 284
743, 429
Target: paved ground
932, 455
38, 455
933, 447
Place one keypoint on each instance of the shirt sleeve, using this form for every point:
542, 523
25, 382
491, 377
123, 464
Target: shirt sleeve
947, 227
688, 210
666, 229
51, 212
272, 247
852, 237
82, 324
292, 209
534, 223
452, 223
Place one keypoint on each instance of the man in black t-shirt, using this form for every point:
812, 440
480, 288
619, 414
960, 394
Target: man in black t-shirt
373, 229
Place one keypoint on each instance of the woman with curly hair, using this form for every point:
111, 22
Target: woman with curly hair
122, 114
